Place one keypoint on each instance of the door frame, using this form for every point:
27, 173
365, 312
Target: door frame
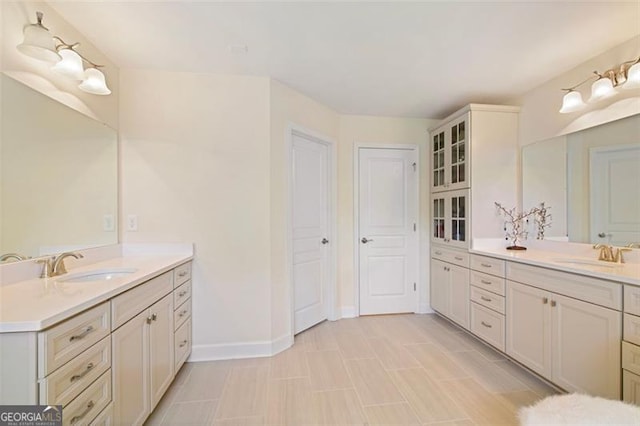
332, 213
356, 215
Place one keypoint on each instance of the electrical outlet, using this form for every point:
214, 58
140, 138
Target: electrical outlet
132, 222
108, 224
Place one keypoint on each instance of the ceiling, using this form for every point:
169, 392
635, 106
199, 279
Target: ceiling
410, 59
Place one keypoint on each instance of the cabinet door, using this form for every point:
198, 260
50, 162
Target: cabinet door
459, 295
440, 287
457, 211
161, 353
438, 154
586, 347
439, 221
457, 172
528, 321
130, 357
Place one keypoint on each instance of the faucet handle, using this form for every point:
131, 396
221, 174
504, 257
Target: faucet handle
47, 268
619, 258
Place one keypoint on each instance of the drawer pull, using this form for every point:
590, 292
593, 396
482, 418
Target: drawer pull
485, 282
182, 274
553, 303
84, 373
183, 313
80, 416
486, 299
183, 343
485, 324
82, 335
439, 253
458, 258
486, 265
182, 293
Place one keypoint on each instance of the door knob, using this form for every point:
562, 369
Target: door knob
324, 241
365, 240
602, 235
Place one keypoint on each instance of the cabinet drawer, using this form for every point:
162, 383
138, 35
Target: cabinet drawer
588, 289
487, 299
87, 406
182, 313
488, 265
632, 299
452, 256
631, 357
630, 387
131, 303
631, 329
63, 342
181, 274
487, 282
488, 325
68, 381
182, 293
182, 343
105, 418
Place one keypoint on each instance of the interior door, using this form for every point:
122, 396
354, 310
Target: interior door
388, 237
310, 226
615, 194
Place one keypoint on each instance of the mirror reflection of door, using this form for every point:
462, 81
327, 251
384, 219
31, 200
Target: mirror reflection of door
615, 194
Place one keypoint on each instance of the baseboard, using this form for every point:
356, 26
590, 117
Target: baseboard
424, 308
240, 350
348, 312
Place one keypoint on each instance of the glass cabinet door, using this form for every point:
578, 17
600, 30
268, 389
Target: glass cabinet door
459, 145
458, 218
438, 160
439, 219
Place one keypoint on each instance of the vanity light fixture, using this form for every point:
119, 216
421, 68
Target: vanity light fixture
40, 44
625, 76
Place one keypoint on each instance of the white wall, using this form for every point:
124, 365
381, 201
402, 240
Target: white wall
377, 130
195, 168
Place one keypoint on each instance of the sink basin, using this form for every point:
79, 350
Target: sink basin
591, 262
97, 275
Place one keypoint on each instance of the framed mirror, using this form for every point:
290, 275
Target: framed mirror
591, 181
58, 176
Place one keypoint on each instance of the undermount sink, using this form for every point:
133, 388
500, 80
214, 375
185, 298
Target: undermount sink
591, 262
97, 275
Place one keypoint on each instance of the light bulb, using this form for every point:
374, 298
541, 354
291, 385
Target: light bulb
601, 89
70, 65
94, 82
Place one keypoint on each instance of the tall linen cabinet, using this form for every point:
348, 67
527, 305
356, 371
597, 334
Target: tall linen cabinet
473, 159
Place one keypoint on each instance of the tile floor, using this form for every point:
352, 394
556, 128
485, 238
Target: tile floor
393, 370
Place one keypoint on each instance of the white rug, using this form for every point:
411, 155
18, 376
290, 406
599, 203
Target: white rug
576, 409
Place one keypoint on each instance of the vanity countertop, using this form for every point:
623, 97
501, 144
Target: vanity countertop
36, 304
627, 273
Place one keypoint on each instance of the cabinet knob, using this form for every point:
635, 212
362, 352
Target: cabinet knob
553, 303
545, 300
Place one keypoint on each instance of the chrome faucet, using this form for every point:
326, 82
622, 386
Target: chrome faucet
57, 267
15, 256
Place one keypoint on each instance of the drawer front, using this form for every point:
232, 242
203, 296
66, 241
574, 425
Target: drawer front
182, 343
452, 256
487, 299
631, 329
68, 381
488, 325
632, 299
63, 342
630, 387
182, 313
131, 303
488, 282
87, 406
105, 418
599, 292
488, 265
631, 357
181, 274
182, 293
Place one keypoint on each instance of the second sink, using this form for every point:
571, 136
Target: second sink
97, 275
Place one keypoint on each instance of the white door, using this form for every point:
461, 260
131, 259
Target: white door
388, 237
615, 194
310, 230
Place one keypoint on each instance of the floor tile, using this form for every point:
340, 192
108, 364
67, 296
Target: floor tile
391, 414
437, 364
393, 355
327, 371
353, 345
290, 363
190, 413
372, 382
338, 407
245, 393
206, 384
487, 373
289, 402
534, 383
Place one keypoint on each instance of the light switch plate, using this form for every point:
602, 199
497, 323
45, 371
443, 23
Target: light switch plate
132, 222
108, 224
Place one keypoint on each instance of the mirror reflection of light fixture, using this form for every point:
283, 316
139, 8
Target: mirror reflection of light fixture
40, 44
625, 76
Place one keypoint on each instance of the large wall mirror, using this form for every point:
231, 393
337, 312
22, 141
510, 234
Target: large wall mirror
58, 176
591, 181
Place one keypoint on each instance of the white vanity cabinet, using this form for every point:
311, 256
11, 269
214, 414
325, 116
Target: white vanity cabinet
450, 284
487, 294
573, 343
631, 345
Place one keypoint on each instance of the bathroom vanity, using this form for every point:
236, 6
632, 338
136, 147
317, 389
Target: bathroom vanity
105, 341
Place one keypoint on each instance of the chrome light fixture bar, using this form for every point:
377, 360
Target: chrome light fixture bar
625, 76
40, 44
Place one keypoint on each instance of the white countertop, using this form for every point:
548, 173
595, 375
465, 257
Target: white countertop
36, 304
627, 273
